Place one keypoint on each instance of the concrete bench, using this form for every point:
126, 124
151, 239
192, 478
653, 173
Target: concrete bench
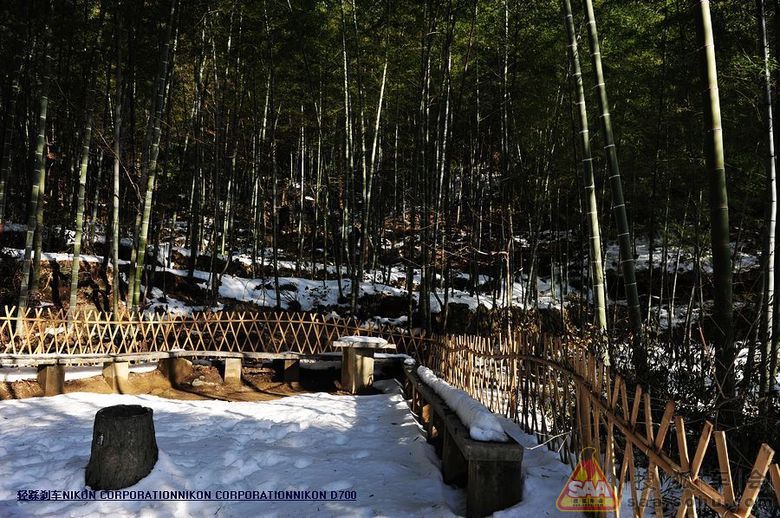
28, 360
491, 471
231, 373
116, 367
287, 363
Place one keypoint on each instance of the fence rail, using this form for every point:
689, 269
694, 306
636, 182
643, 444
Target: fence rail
556, 388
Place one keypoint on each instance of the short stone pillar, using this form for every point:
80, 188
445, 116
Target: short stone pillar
357, 361
288, 368
357, 369
117, 375
232, 375
51, 378
175, 369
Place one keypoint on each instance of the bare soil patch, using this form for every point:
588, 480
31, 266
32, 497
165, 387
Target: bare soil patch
259, 383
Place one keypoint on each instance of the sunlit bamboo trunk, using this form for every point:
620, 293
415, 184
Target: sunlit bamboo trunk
115, 287
74, 269
592, 216
159, 104
618, 202
723, 333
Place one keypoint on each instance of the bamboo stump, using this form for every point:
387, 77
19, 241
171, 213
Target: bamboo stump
124, 448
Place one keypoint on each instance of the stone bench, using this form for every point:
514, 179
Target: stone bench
287, 363
491, 471
116, 367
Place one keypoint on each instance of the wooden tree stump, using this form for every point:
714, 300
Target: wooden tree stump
124, 448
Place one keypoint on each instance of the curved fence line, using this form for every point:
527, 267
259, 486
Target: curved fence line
555, 388
559, 390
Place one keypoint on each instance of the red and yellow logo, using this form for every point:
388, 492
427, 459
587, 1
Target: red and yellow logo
587, 488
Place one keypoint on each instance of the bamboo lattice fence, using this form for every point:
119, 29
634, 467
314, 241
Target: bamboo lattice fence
555, 388
44, 331
560, 391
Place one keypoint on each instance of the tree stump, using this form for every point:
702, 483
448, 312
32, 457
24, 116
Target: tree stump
124, 448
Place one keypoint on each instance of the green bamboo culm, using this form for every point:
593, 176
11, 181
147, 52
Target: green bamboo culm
618, 203
39, 171
117, 150
768, 325
134, 253
5, 165
722, 314
83, 170
774, 346
74, 272
143, 235
35, 277
594, 234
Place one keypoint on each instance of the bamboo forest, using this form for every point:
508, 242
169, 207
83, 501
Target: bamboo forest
563, 210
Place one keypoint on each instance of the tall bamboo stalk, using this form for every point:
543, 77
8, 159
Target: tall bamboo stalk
115, 190
39, 170
35, 276
618, 203
592, 215
272, 152
767, 321
80, 202
74, 271
775, 339
135, 288
723, 333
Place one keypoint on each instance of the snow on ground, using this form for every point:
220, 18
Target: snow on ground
18, 253
367, 444
159, 302
310, 294
677, 259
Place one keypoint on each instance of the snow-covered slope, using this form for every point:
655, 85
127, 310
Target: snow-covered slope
310, 294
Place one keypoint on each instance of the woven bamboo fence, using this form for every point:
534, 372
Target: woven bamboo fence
560, 391
43, 331
556, 389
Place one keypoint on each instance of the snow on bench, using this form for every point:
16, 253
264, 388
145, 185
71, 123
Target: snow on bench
482, 424
475, 452
374, 342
